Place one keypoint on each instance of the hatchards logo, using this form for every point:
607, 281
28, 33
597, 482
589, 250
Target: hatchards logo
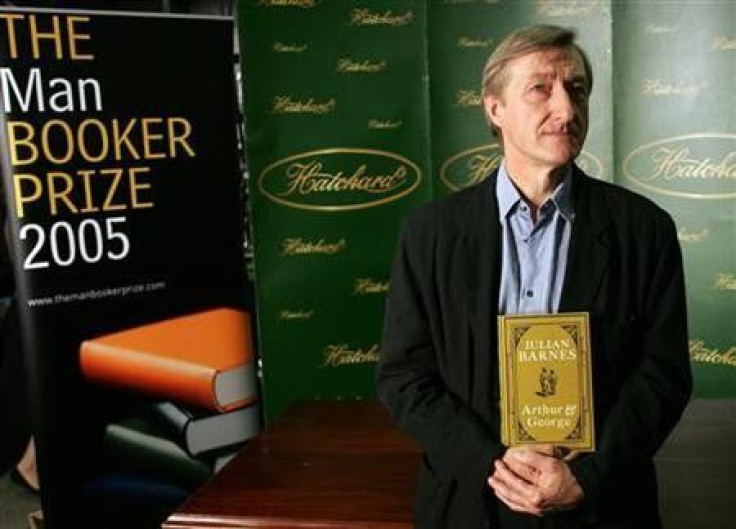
304, 4
474, 42
566, 8
470, 167
474, 165
365, 17
339, 179
695, 166
724, 43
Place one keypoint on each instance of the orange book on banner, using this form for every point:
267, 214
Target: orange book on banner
203, 359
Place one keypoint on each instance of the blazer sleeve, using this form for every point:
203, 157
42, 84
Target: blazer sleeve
458, 444
656, 391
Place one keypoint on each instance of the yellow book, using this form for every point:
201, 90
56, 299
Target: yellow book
546, 381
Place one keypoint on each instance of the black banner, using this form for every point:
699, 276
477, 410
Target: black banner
121, 177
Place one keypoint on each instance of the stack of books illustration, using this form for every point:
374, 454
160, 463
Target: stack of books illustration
200, 375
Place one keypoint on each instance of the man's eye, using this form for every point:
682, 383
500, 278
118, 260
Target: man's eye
540, 88
579, 90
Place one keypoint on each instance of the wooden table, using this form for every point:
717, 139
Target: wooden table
336, 465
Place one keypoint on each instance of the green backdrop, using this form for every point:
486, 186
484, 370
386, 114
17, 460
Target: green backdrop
357, 112
337, 140
675, 141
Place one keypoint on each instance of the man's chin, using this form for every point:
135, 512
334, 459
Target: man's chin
563, 157
565, 150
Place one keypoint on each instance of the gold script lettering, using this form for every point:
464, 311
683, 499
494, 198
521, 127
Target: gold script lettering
723, 43
565, 8
384, 124
481, 165
656, 28
346, 65
468, 98
684, 235
340, 354
309, 177
296, 314
304, 4
679, 164
366, 285
724, 282
700, 353
469, 42
287, 105
366, 17
289, 48
298, 246
657, 88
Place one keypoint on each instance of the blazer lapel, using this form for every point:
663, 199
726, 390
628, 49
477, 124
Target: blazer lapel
589, 251
481, 265
481, 258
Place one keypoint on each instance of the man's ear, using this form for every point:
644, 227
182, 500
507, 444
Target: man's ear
494, 110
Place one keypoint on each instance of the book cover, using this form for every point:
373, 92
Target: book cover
545, 380
203, 359
140, 445
198, 431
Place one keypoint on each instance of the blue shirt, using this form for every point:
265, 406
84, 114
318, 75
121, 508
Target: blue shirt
534, 256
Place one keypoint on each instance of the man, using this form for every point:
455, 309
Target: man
537, 236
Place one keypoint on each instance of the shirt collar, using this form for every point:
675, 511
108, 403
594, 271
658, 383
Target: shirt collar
562, 196
508, 196
506, 193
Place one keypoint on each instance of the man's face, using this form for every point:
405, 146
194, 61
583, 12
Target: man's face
543, 110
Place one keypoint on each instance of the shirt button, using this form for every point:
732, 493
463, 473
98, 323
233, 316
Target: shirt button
529, 293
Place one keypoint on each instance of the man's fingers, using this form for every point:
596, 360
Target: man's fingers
521, 469
504, 494
531, 458
558, 452
515, 506
515, 490
543, 449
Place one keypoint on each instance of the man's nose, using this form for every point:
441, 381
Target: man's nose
561, 104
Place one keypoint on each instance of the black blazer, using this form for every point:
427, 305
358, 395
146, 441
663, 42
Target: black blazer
438, 371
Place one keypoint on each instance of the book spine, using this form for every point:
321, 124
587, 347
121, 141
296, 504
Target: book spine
502, 382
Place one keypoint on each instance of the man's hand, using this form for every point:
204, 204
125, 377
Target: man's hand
535, 481
518, 493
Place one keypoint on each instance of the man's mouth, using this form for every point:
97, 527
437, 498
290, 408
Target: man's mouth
569, 135
561, 132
